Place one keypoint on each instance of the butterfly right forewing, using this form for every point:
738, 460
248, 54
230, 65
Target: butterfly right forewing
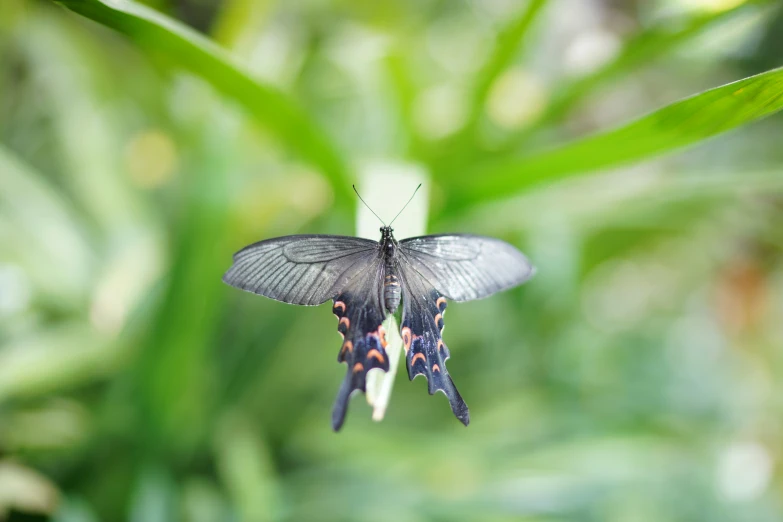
463, 267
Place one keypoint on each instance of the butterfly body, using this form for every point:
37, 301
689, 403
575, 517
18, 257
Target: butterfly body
367, 280
392, 291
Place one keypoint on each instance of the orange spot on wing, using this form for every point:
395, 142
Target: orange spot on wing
375, 353
438, 317
406, 338
416, 357
435, 368
347, 347
382, 336
441, 300
358, 367
339, 304
440, 344
346, 321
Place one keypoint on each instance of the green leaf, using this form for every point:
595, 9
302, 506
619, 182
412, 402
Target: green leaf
642, 50
185, 48
683, 123
509, 43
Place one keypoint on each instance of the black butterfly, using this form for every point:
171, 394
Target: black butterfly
367, 279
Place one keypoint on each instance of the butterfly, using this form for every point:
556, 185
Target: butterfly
366, 280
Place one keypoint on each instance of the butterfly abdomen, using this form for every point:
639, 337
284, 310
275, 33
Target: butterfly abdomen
391, 290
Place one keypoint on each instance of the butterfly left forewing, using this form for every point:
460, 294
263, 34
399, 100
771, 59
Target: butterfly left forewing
302, 269
360, 312
422, 326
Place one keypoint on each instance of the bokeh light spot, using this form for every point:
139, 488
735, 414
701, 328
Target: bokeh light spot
151, 158
439, 111
517, 98
744, 471
14, 290
590, 50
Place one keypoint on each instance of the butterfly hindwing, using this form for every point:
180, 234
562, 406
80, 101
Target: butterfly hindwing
360, 312
425, 351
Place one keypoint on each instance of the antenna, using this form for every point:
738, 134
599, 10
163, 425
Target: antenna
406, 204
368, 206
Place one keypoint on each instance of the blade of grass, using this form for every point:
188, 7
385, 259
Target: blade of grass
509, 45
173, 370
683, 123
456, 150
244, 463
185, 48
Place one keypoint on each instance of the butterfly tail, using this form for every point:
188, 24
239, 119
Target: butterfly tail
458, 405
340, 409
441, 381
426, 355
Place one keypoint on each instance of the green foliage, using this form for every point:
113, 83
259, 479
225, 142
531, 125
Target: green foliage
683, 123
185, 48
635, 378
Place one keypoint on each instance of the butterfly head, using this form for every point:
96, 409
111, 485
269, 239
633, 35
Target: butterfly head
387, 233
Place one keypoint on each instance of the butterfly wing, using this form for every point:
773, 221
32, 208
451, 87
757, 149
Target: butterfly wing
455, 266
360, 312
422, 325
463, 267
303, 269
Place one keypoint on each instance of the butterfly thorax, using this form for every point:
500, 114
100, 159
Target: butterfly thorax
391, 283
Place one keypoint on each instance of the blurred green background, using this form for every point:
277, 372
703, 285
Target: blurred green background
637, 378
